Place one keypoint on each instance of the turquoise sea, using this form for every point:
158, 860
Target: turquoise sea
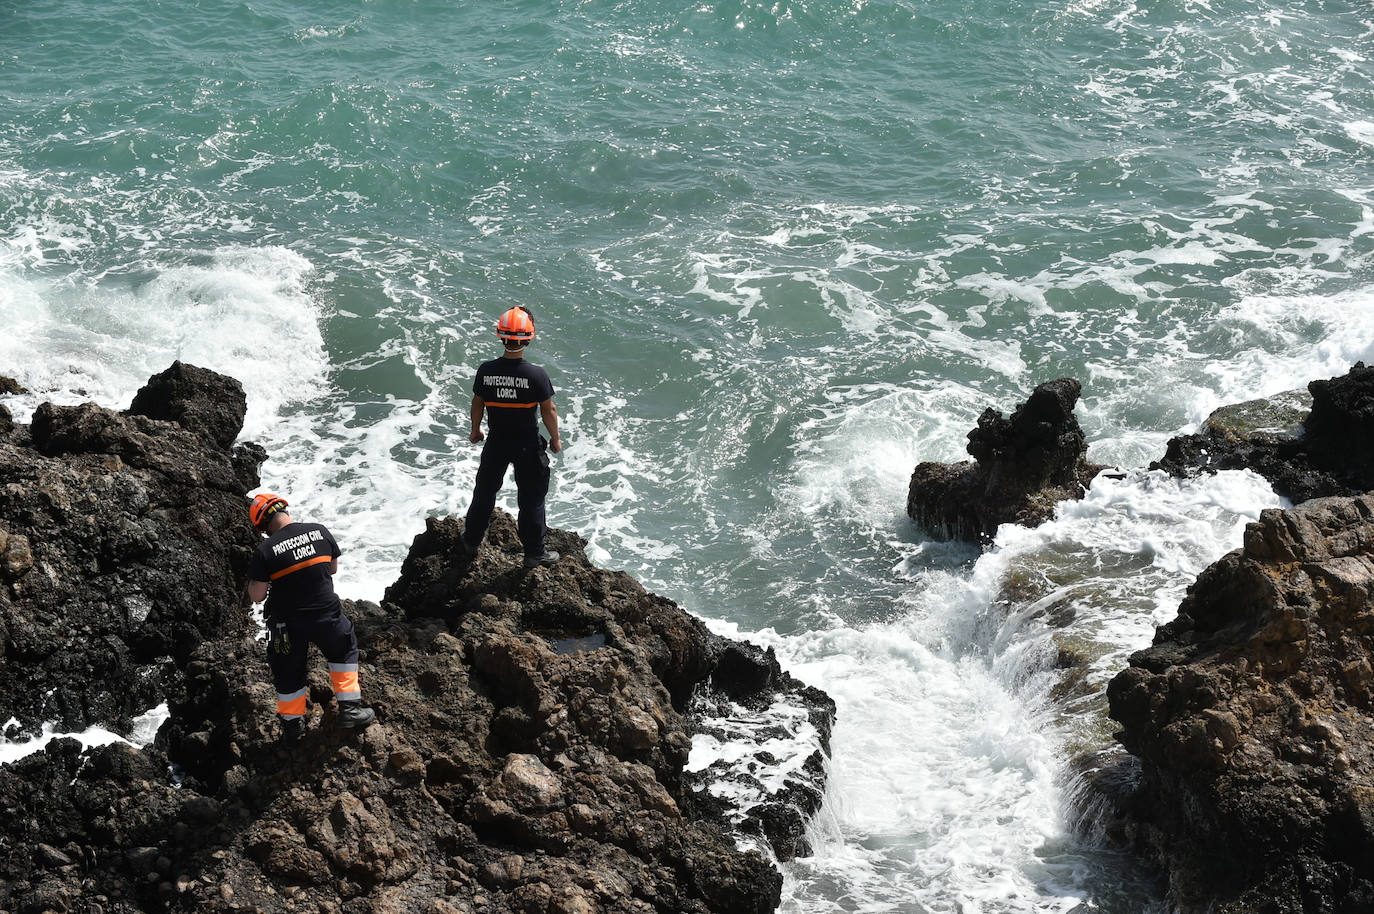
778, 253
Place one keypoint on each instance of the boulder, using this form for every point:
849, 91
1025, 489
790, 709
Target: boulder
1308, 443
1022, 467
1250, 722
199, 400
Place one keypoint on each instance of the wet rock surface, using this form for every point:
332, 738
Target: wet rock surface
772, 780
1308, 444
1022, 467
1250, 723
122, 545
530, 751
1244, 773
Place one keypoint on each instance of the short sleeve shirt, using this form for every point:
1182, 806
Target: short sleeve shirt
296, 560
512, 389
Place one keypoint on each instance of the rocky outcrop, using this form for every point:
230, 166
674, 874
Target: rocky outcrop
197, 399
1251, 722
751, 701
1308, 444
122, 546
530, 752
1022, 467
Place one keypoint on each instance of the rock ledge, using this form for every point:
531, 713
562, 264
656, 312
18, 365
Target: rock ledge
533, 726
1251, 722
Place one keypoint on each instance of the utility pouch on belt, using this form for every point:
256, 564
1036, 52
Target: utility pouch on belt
543, 452
279, 641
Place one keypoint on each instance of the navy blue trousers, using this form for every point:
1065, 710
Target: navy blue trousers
334, 636
531, 462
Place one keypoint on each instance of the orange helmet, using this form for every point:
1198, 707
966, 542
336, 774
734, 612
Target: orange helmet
263, 507
517, 324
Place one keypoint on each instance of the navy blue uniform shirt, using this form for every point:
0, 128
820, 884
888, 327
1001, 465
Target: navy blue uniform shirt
296, 560
512, 389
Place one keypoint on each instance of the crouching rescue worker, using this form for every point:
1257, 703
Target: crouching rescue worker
293, 568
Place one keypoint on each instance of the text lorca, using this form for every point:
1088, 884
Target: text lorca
505, 386
299, 544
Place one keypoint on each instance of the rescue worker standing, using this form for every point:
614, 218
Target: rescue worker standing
293, 568
509, 390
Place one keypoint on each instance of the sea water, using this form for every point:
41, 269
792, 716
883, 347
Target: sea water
778, 253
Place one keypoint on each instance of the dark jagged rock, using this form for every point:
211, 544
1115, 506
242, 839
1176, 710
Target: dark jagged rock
1251, 722
747, 682
1022, 467
1339, 432
108, 811
1308, 444
197, 399
742, 671
122, 546
529, 752
8, 386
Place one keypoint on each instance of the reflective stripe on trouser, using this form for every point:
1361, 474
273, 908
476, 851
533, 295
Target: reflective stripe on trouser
334, 636
344, 677
291, 705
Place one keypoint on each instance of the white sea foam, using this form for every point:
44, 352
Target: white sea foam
941, 788
898, 429
249, 313
946, 785
1361, 132
145, 728
1312, 336
326, 31
749, 757
1116, 562
245, 312
371, 472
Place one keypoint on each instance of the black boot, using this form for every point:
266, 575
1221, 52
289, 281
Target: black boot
467, 550
353, 714
291, 730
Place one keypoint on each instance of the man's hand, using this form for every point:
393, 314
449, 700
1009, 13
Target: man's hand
479, 406
549, 413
